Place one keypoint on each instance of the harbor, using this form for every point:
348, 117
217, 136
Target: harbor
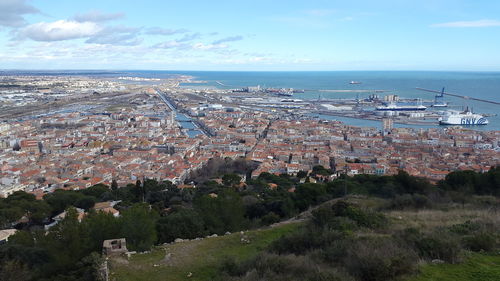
375, 107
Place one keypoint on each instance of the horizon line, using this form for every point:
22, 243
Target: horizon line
215, 70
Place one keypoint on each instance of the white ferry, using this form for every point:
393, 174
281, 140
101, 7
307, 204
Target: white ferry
440, 104
453, 117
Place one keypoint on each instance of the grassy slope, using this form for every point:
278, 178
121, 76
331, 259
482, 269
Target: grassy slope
201, 258
477, 267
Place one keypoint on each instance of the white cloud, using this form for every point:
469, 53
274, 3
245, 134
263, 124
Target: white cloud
476, 23
228, 39
190, 37
164, 31
172, 45
116, 35
179, 45
60, 30
201, 46
12, 11
97, 16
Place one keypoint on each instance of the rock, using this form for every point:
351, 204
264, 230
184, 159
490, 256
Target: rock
227, 233
190, 274
129, 254
214, 235
178, 240
437, 261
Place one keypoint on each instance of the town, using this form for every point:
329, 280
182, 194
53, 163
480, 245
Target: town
77, 136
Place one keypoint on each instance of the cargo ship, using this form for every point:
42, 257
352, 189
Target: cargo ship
354, 82
467, 117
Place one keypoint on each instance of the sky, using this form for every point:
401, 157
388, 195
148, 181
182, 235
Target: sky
291, 35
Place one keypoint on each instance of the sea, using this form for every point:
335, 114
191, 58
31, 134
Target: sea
482, 85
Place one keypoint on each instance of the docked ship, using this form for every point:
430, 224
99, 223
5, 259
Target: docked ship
285, 93
453, 117
440, 104
281, 91
392, 106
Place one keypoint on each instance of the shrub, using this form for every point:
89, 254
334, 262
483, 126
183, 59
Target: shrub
467, 227
420, 201
270, 218
363, 218
379, 260
405, 201
336, 251
342, 224
439, 244
401, 202
286, 268
325, 217
304, 240
482, 241
230, 267
322, 216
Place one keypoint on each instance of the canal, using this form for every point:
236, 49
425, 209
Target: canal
187, 123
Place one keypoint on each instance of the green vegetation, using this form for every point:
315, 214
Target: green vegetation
346, 241
200, 257
477, 267
404, 219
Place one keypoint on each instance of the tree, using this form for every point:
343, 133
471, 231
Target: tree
16, 147
67, 242
223, 213
138, 227
96, 191
320, 170
60, 199
231, 179
184, 224
14, 271
100, 226
85, 202
301, 174
22, 237
308, 194
21, 204
114, 185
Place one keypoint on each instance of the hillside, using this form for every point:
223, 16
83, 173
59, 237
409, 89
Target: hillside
200, 257
204, 259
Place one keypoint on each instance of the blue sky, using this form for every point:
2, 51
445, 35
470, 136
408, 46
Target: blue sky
250, 35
